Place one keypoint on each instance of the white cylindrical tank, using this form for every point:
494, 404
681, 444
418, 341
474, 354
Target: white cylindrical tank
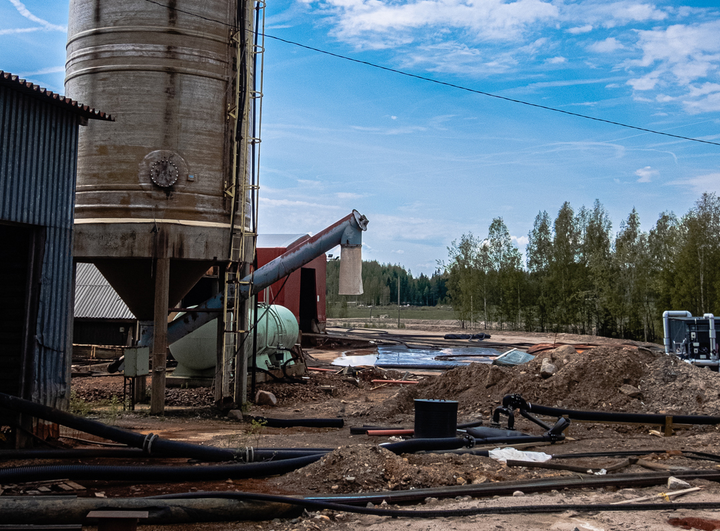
277, 333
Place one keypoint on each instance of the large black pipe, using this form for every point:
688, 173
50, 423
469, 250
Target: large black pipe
335, 504
416, 445
156, 473
638, 418
364, 429
150, 444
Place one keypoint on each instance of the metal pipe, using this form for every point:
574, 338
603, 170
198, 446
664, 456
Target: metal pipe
345, 232
666, 326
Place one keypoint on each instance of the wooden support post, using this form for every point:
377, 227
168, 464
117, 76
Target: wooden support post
139, 388
159, 352
668, 426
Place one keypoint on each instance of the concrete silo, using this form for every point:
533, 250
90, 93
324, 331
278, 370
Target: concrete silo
159, 192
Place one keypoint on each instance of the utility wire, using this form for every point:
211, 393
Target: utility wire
453, 85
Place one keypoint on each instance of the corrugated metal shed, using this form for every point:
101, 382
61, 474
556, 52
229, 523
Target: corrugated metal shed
49, 97
38, 142
95, 298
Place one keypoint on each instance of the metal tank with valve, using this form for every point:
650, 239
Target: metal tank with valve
277, 333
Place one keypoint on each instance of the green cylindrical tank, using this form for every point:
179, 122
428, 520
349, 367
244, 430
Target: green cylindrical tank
277, 333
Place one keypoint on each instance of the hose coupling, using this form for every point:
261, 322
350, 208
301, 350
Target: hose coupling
148, 441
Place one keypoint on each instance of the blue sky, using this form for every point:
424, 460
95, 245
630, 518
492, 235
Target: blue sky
426, 162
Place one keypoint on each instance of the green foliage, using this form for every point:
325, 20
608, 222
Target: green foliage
108, 409
380, 286
250, 436
78, 406
579, 279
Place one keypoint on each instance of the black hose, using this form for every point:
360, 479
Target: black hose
289, 453
156, 473
416, 445
306, 423
149, 443
436, 513
639, 418
72, 453
485, 433
364, 429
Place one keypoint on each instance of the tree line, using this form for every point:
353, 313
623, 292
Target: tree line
380, 285
579, 277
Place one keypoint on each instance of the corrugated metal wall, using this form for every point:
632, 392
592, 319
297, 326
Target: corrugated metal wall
38, 142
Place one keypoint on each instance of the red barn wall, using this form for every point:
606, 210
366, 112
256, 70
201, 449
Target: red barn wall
297, 294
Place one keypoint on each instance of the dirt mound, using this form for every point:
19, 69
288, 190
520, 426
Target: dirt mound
361, 468
604, 378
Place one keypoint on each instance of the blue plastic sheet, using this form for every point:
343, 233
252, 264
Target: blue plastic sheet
399, 356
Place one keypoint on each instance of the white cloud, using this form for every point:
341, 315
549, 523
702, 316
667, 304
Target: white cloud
25, 12
556, 60
610, 15
309, 183
348, 195
18, 30
581, 29
609, 45
678, 58
703, 98
520, 240
646, 174
483, 19
700, 184
42, 72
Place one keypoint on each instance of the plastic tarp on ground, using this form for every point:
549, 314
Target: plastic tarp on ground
399, 356
513, 357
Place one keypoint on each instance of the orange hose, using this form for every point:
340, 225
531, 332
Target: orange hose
388, 433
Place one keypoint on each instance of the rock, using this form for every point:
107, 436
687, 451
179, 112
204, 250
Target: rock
495, 374
265, 398
677, 484
461, 481
564, 352
631, 391
547, 369
518, 493
235, 414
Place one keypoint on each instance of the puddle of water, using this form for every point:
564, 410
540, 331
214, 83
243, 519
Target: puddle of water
355, 361
399, 356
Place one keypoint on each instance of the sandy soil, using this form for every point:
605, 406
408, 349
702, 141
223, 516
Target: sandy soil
596, 379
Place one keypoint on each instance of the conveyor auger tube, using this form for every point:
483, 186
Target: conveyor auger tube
346, 232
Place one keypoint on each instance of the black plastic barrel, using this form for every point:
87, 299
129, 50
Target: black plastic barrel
435, 419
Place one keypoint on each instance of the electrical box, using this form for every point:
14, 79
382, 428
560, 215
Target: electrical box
137, 361
690, 337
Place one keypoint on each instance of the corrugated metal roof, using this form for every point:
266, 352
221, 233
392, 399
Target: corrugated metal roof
95, 298
13, 81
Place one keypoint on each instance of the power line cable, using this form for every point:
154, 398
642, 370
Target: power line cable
453, 85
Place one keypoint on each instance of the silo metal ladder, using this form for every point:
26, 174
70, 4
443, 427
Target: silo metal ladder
246, 114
